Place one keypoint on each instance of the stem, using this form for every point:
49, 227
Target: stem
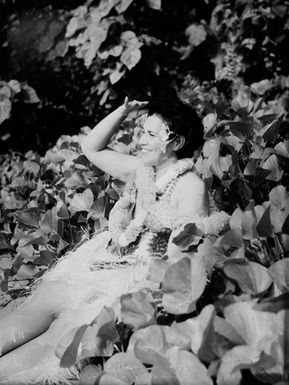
279, 246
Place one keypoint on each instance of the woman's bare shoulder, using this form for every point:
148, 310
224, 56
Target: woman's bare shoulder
190, 181
191, 195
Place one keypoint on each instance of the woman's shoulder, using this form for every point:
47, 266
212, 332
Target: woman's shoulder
190, 181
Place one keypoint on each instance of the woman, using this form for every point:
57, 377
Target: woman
162, 193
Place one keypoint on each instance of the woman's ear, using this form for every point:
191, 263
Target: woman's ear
179, 142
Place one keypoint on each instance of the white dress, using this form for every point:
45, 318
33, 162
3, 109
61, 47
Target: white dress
97, 277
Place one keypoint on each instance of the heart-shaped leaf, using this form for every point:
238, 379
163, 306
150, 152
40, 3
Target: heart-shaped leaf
90, 375
82, 201
137, 309
273, 165
273, 305
279, 272
124, 366
188, 368
282, 148
30, 217
187, 236
150, 344
199, 331
184, 283
196, 34
251, 277
279, 209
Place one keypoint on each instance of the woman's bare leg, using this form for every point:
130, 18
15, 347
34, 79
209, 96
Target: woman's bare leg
36, 361
34, 317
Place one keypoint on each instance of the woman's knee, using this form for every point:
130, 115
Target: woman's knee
53, 295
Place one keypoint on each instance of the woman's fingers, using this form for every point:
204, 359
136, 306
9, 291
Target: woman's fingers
125, 101
134, 104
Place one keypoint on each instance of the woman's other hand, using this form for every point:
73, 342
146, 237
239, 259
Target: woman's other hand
133, 105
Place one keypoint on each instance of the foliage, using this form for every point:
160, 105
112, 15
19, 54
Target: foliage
220, 312
85, 57
222, 303
252, 36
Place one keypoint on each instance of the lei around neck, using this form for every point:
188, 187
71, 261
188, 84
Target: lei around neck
148, 187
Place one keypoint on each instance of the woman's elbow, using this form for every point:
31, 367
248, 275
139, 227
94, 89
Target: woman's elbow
86, 147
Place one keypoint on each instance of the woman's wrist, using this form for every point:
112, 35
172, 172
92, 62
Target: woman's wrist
122, 111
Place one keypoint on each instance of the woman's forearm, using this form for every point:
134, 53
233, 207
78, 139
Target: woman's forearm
101, 134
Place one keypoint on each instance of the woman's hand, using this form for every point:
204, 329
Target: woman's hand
130, 106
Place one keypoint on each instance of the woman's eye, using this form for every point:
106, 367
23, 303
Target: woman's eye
142, 131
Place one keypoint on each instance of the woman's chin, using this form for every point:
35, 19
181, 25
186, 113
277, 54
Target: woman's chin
149, 159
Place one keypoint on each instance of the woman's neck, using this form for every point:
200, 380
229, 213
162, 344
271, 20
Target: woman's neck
163, 167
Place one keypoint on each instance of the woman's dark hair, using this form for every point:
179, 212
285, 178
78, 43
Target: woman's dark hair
182, 120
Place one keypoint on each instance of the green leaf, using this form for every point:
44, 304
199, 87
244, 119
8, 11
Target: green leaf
150, 344
285, 227
199, 333
279, 272
184, 283
253, 326
282, 148
49, 221
107, 379
188, 368
239, 357
272, 130
54, 157
157, 269
82, 201
90, 375
240, 129
30, 217
273, 305
95, 339
29, 95
82, 160
251, 277
63, 212
70, 354
31, 167
97, 209
196, 34
259, 88
264, 226
154, 4
5, 262
272, 164
225, 329
122, 5
137, 309
99, 337
5, 109
5, 92
27, 271
221, 165
5, 241
279, 208
125, 367
131, 56
186, 237
249, 222
46, 258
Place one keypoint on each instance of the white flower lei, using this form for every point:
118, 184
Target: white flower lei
147, 189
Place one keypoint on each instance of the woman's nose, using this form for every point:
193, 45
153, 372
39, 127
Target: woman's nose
143, 139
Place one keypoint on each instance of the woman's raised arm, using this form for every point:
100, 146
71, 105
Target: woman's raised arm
94, 146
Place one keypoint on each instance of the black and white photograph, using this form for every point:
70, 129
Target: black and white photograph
144, 192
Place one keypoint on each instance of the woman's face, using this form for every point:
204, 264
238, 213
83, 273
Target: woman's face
155, 143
